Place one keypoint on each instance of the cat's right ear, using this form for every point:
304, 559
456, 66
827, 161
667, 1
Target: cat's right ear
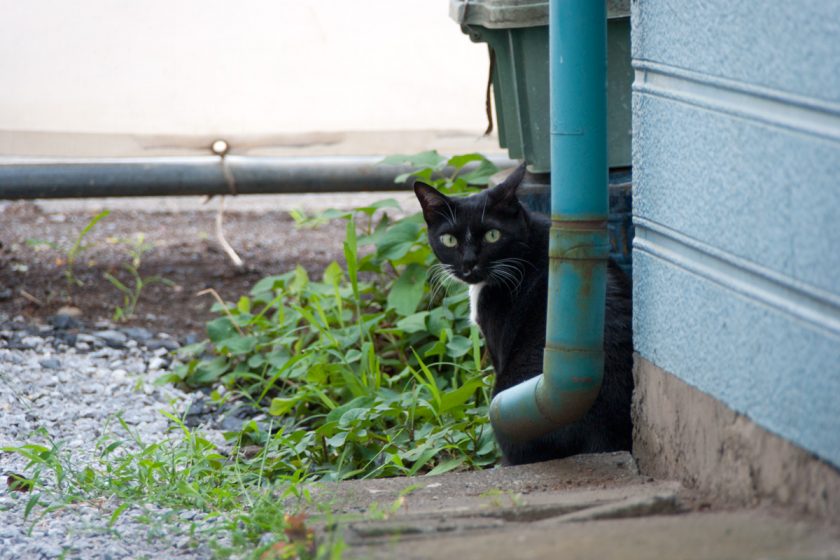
434, 203
504, 194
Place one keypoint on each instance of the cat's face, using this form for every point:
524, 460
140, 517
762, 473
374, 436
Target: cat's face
479, 238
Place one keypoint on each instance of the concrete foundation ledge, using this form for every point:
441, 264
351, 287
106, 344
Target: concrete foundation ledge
682, 433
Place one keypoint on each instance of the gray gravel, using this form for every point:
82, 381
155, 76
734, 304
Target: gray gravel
72, 384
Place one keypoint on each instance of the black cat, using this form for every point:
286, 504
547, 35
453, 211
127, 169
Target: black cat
494, 244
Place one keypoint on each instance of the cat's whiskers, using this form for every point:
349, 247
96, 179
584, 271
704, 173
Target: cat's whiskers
517, 260
508, 272
441, 277
504, 279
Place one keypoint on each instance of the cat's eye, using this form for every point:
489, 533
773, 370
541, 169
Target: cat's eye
492, 235
448, 240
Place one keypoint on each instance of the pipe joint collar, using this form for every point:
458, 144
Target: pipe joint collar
585, 241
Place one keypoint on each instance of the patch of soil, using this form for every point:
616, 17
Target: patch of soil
34, 246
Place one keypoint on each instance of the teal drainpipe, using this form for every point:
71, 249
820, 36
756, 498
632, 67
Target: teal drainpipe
573, 363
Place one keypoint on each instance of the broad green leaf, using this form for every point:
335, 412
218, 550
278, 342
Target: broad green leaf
422, 159
333, 274
378, 205
280, 406
269, 283
458, 345
278, 358
421, 460
338, 439
407, 291
413, 323
481, 174
397, 240
461, 395
360, 402
461, 160
238, 345
300, 281
208, 372
220, 329
448, 465
352, 416
440, 318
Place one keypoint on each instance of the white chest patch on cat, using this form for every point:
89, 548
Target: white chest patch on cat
475, 291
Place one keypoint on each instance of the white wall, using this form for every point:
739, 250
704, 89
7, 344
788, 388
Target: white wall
221, 68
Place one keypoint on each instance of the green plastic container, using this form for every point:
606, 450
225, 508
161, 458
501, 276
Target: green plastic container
516, 31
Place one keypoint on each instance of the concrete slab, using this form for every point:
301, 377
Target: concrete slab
591, 506
477, 489
696, 536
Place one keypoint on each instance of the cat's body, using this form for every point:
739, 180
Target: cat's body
508, 276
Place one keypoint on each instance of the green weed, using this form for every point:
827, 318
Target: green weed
71, 253
133, 287
238, 511
77, 248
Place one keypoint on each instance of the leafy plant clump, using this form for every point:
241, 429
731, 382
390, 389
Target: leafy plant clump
364, 372
233, 508
368, 371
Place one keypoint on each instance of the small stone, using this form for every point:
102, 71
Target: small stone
232, 424
9, 532
84, 337
50, 550
192, 338
70, 311
157, 363
6, 294
137, 333
32, 341
189, 515
103, 353
50, 363
66, 338
12, 359
64, 322
167, 344
114, 339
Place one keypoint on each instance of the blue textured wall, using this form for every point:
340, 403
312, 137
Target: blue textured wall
736, 154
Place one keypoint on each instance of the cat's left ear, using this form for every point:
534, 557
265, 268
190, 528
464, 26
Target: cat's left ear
433, 202
505, 192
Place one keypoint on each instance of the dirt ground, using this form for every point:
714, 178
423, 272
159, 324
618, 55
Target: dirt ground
36, 240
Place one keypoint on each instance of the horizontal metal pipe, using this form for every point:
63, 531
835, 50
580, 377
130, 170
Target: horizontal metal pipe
200, 175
